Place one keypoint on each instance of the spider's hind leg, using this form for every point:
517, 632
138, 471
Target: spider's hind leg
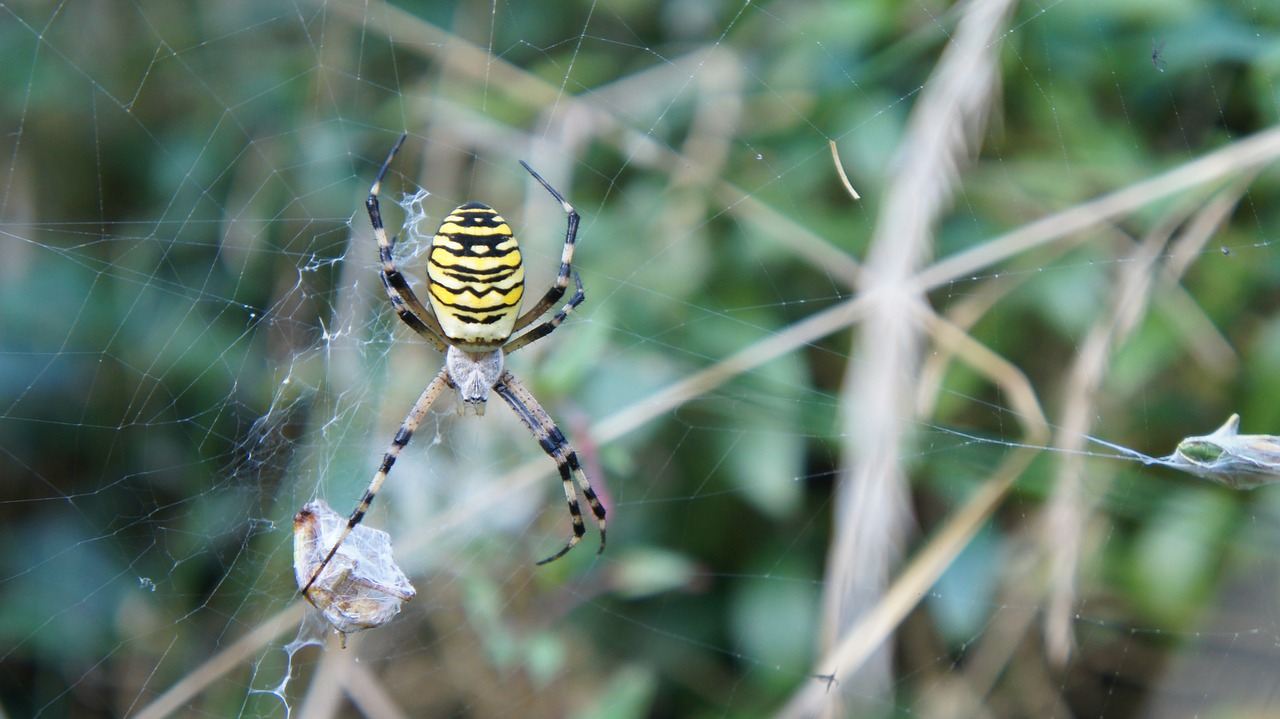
554, 443
407, 428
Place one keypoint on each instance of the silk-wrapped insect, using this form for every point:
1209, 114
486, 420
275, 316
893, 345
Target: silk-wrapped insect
1240, 461
361, 587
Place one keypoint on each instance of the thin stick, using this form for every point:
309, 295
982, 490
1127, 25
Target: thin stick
835, 155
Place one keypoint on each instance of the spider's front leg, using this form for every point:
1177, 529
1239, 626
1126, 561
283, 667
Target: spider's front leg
406, 304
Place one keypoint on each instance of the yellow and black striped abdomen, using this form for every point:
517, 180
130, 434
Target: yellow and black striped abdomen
477, 277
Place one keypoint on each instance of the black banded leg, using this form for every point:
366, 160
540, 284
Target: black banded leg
557, 289
405, 434
547, 327
597, 509
407, 305
554, 443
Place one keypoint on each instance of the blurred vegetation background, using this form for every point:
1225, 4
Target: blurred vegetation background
195, 343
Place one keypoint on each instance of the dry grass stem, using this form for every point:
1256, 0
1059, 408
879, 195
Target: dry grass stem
234, 657
1071, 505
1244, 155
954, 341
874, 627
368, 694
870, 507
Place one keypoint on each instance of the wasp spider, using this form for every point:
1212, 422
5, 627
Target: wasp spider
475, 281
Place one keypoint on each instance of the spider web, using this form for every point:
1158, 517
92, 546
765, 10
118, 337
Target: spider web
843, 444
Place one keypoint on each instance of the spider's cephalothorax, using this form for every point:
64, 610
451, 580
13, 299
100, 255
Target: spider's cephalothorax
475, 285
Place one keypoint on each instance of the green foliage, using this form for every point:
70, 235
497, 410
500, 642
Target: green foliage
195, 339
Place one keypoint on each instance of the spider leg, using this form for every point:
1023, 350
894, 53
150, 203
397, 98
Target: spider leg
546, 328
553, 442
402, 438
557, 289
407, 305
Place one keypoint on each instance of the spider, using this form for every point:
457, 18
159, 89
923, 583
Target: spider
475, 284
